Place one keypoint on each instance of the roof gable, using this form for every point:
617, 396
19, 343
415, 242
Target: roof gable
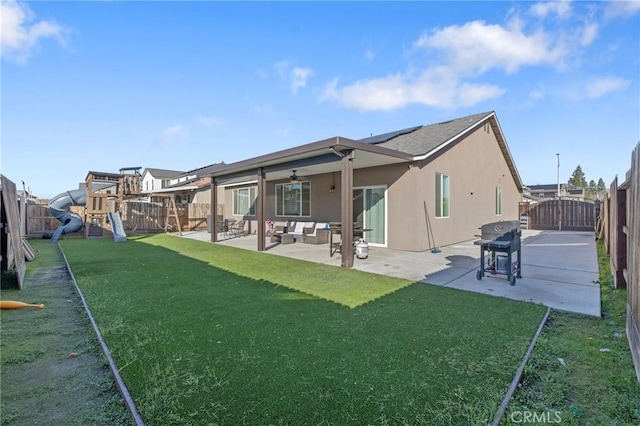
424, 139
161, 173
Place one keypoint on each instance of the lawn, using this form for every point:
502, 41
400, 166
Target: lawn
41, 382
581, 370
204, 333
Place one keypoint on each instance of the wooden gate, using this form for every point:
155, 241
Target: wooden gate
566, 215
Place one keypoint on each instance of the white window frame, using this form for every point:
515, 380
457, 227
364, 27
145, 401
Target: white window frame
443, 196
252, 198
498, 201
305, 187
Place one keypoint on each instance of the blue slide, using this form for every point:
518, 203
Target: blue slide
59, 208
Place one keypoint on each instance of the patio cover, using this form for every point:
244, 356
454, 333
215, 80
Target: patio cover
335, 154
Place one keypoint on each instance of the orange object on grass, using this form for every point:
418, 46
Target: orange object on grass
12, 304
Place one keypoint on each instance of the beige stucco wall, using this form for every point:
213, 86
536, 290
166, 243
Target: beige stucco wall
202, 196
475, 166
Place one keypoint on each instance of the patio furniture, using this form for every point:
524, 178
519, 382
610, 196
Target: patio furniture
225, 226
319, 234
298, 230
283, 238
336, 228
284, 227
237, 228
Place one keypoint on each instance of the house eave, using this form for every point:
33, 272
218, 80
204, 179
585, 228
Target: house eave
313, 158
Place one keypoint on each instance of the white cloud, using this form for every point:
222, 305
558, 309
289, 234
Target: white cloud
458, 53
599, 87
476, 47
376, 94
536, 95
172, 134
621, 9
544, 9
471, 94
19, 37
299, 77
282, 68
208, 122
435, 87
369, 55
459, 57
589, 33
294, 77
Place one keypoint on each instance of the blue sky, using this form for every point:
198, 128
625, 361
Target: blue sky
180, 85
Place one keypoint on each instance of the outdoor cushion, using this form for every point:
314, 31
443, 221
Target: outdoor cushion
299, 229
319, 225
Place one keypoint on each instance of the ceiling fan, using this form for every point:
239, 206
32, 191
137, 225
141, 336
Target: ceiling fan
295, 178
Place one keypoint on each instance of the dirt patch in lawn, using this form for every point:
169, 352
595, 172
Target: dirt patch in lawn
52, 368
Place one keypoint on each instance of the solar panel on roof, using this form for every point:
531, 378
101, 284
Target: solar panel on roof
373, 140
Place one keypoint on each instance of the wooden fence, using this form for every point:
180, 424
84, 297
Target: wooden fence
11, 243
137, 216
620, 228
567, 215
40, 221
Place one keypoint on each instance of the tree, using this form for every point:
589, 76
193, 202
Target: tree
601, 187
577, 179
593, 190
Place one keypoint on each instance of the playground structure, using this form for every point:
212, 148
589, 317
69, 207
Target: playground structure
102, 199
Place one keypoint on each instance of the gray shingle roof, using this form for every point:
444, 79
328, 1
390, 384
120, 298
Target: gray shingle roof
206, 170
424, 139
162, 173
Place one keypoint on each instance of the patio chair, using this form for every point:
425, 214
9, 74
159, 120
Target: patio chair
319, 234
286, 226
298, 230
237, 228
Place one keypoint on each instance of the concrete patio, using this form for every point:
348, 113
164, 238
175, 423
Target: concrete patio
559, 268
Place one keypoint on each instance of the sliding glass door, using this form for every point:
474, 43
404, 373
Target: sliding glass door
369, 209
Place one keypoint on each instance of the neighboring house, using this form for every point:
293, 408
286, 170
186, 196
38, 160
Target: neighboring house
156, 179
542, 192
456, 176
190, 187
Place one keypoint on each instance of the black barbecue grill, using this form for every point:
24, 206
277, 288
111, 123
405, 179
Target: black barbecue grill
499, 240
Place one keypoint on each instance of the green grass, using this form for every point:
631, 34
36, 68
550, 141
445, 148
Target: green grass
41, 383
209, 334
597, 385
346, 287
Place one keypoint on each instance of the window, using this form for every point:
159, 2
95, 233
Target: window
442, 195
293, 199
244, 202
498, 200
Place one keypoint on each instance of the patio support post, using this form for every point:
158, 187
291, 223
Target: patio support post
213, 210
260, 208
346, 208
